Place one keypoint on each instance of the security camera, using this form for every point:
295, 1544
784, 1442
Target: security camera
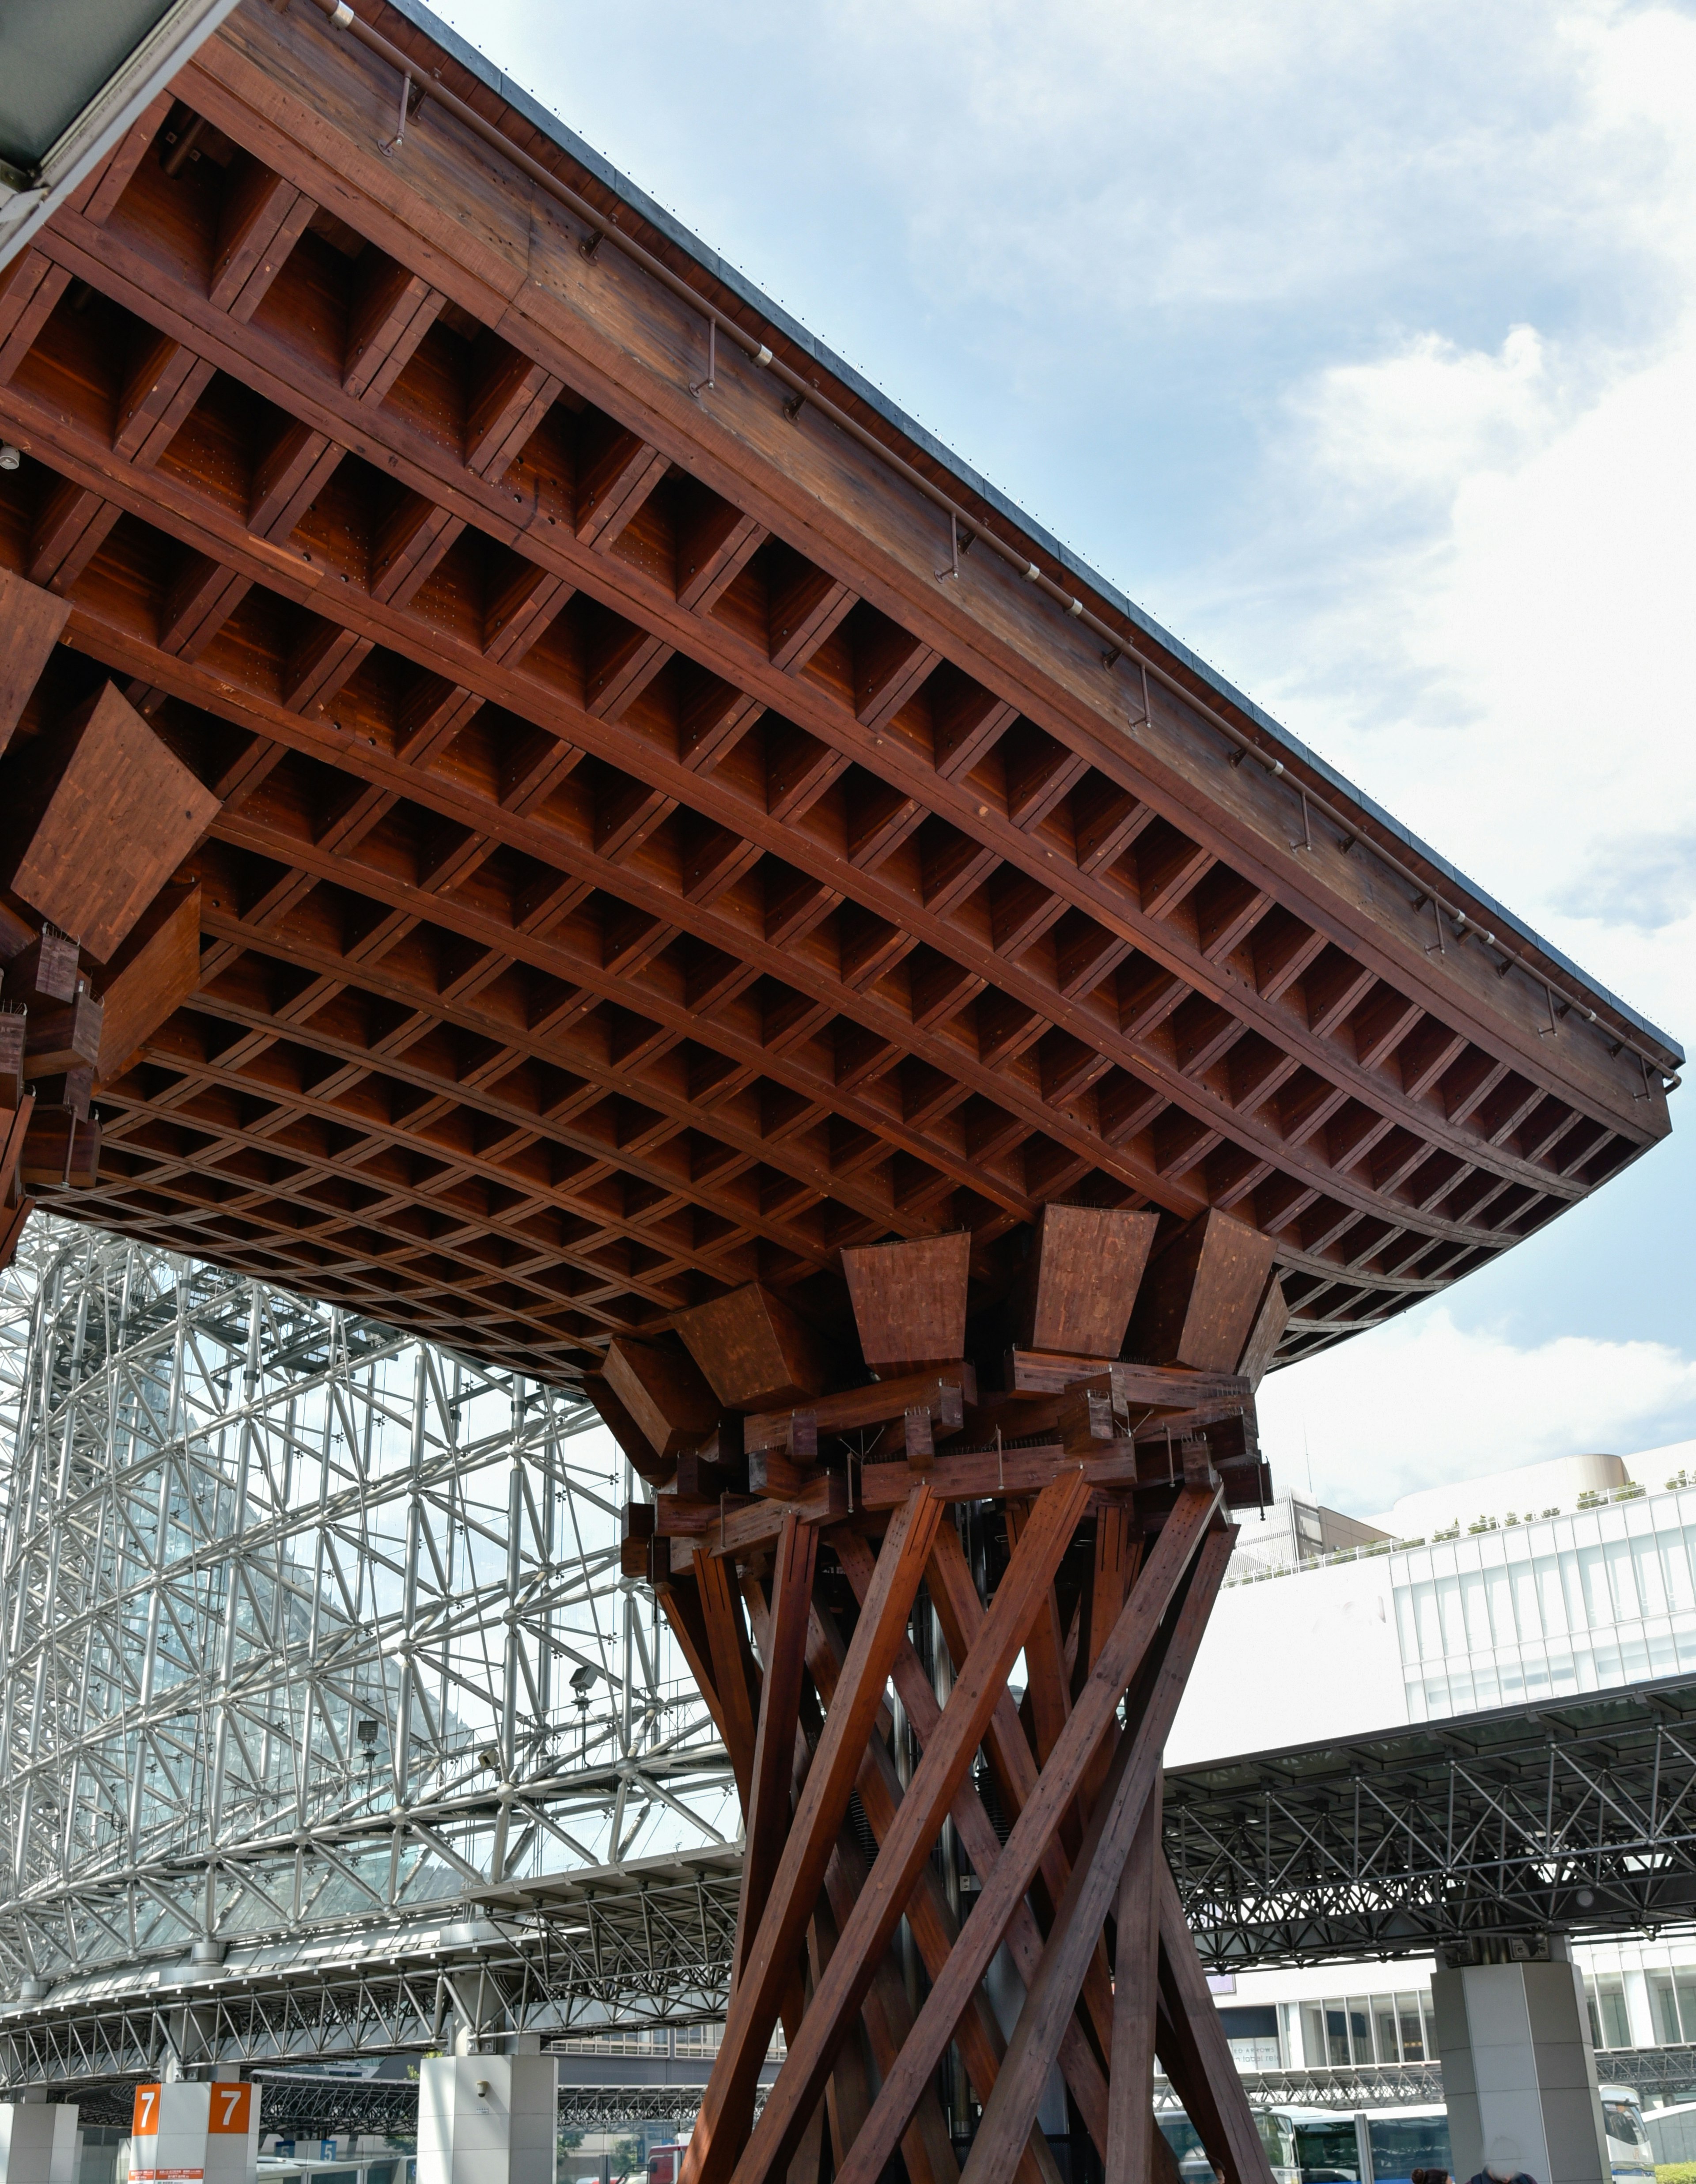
9, 457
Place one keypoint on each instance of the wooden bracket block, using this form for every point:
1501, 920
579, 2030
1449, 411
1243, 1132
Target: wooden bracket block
45, 971
662, 1387
154, 973
1081, 1283
755, 1351
31, 622
12, 1022
910, 1299
1198, 1300
97, 815
12, 1230
64, 1036
16, 1127
636, 1539
48, 1142
778, 1478
1268, 1331
943, 1395
702, 1476
644, 1458
83, 1171
70, 1087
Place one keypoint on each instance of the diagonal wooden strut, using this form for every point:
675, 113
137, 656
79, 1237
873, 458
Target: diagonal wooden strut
1131, 2128
1094, 1885
907, 1845
773, 1763
952, 1994
1191, 2045
1086, 2079
932, 1926
722, 2128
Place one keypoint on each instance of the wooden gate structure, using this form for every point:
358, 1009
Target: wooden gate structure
536, 805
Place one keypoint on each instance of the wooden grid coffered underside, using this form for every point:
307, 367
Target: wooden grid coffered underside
639, 871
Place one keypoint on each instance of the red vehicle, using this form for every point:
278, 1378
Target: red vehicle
665, 2163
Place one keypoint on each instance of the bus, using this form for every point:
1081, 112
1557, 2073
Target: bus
1629, 2151
1276, 2135
1327, 2141
1400, 2140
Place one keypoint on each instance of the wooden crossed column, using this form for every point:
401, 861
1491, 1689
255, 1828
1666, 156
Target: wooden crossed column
1079, 1522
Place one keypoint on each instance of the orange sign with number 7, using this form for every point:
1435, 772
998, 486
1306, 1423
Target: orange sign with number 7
231, 2108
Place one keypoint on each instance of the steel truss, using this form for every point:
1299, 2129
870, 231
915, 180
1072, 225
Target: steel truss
1578, 1817
309, 1630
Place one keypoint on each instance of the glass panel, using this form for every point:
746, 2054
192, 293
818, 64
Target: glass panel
1477, 1612
1611, 1999
1384, 2028
1330, 2148
1400, 2144
1501, 1589
1624, 2123
1413, 2028
1684, 1985
1313, 2052
1664, 2008
1337, 2035
1646, 1568
1622, 1580
1360, 2029
1598, 1602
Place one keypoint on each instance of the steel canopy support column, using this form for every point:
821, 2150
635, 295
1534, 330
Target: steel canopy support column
1518, 2066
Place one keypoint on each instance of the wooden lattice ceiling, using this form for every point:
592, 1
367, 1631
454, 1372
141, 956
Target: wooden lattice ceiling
646, 860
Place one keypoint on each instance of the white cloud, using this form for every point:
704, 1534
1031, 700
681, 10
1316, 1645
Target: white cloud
1465, 1404
1470, 570
1513, 677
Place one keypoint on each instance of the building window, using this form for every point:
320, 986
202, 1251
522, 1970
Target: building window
1252, 2034
1672, 1996
1610, 2026
1367, 2029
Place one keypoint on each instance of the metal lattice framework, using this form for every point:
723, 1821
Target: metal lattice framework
311, 1629
1579, 1817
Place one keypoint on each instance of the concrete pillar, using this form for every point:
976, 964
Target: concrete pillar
185, 2132
1517, 2064
488, 2119
38, 2142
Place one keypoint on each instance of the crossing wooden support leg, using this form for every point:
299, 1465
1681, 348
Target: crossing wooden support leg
1133, 1636
772, 1763
1093, 1887
1086, 2079
1197, 2056
972, 1821
1131, 2130
721, 2129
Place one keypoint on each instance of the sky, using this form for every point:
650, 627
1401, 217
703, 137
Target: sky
1358, 344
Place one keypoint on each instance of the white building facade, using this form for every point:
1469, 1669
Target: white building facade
1514, 1606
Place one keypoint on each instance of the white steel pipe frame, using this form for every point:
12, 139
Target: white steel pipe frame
291, 1611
